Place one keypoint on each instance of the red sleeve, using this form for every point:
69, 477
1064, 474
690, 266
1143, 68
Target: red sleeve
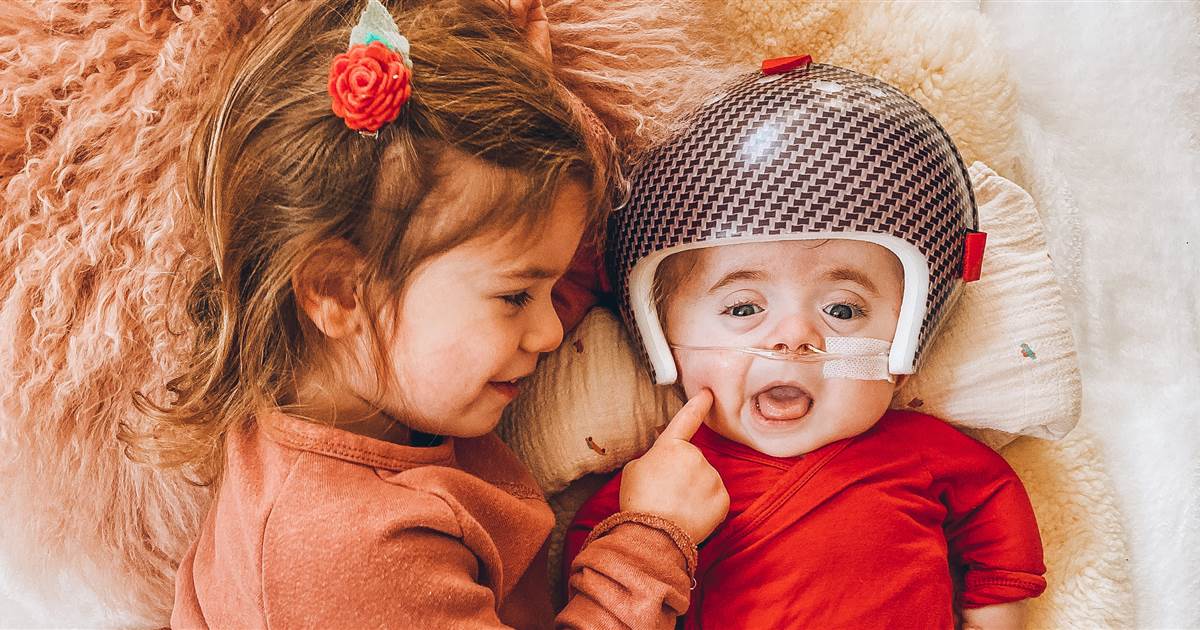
581, 287
603, 504
991, 530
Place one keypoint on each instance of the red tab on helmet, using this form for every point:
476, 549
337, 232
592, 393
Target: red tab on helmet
779, 65
973, 255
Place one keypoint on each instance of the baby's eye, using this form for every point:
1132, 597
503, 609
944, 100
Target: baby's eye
843, 310
519, 300
745, 309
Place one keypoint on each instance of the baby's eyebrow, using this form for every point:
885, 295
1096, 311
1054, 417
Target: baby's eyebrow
853, 275
735, 276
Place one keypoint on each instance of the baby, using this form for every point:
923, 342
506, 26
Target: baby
793, 251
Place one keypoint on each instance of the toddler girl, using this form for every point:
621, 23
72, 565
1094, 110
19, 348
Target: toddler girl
388, 206
796, 247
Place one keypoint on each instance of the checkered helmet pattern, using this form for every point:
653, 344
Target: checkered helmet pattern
816, 152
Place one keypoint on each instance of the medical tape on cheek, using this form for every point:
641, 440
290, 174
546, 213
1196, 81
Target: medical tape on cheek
859, 358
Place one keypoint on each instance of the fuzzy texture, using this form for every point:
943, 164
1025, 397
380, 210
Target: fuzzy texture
98, 100
1111, 118
665, 54
1083, 533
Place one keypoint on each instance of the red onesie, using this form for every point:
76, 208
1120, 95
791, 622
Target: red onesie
881, 530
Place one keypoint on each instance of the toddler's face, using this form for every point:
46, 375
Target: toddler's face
476, 318
792, 293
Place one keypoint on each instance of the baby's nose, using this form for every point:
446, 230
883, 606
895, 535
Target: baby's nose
795, 332
783, 347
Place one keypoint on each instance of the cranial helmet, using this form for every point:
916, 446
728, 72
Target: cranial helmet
803, 151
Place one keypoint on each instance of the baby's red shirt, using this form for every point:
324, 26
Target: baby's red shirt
879, 530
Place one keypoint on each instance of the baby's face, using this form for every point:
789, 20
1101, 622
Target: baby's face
786, 292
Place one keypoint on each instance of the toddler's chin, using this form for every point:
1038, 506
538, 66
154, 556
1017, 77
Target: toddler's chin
464, 425
479, 427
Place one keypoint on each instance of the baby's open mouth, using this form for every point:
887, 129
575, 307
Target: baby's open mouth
781, 403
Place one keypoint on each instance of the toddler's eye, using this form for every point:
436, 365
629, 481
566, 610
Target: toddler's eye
745, 309
519, 300
842, 310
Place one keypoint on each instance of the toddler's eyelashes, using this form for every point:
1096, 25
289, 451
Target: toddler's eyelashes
518, 300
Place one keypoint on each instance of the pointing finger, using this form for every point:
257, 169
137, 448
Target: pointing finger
688, 419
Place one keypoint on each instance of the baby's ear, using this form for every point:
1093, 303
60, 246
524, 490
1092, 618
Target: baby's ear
326, 284
900, 380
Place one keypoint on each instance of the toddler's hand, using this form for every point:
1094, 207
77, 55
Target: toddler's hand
674, 481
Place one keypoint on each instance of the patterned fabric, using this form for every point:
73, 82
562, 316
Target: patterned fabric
820, 149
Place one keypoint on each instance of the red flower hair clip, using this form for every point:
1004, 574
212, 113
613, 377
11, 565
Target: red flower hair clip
370, 83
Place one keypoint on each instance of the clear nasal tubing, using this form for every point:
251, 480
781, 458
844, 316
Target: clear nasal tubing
857, 358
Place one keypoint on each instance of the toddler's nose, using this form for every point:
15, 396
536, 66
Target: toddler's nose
545, 331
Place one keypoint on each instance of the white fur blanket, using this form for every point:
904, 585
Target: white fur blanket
1110, 96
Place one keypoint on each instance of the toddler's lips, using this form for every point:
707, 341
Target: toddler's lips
783, 403
508, 389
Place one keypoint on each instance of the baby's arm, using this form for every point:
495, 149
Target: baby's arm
991, 531
1006, 616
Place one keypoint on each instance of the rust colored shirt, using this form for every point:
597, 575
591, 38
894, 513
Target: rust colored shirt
314, 526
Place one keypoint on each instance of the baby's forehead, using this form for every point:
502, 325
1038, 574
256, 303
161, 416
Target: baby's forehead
791, 257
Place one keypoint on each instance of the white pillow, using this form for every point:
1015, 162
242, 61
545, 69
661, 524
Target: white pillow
589, 407
1003, 364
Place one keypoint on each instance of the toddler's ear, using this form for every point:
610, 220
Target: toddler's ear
325, 285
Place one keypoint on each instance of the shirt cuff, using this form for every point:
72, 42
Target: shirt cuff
681, 538
984, 588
